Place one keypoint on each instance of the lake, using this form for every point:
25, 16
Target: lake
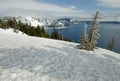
74, 32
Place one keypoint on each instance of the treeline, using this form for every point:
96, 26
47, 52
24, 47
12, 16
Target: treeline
28, 29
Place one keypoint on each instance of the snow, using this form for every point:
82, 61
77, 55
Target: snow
26, 58
35, 22
10, 31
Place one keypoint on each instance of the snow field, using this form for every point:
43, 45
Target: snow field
26, 58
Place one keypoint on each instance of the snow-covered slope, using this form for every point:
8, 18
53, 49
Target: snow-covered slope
11, 31
33, 21
25, 58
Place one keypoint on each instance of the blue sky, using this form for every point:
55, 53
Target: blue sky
88, 5
46, 8
80, 4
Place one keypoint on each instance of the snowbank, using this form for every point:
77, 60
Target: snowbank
11, 31
25, 58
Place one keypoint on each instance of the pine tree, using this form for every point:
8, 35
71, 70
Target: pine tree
111, 44
38, 31
43, 32
55, 35
1, 22
84, 39
88, 42
93, 36
15, 25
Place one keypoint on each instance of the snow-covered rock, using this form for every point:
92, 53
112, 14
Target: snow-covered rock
32, 21
59, 24
26, 58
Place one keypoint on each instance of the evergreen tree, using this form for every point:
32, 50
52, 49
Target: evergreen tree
38, 31
93, 36
10, 23
4, 25
55, 35
15, 25
88, 42
111, 44
1, 22
43, 30
84, 39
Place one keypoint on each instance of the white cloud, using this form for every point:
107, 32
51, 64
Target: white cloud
110, 3
33, 8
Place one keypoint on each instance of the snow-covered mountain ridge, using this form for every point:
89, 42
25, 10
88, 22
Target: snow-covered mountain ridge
33, 21
26, 58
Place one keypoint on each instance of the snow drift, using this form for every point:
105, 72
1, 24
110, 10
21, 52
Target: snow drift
26, 58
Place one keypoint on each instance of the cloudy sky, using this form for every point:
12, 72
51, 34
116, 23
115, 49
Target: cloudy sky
47, 8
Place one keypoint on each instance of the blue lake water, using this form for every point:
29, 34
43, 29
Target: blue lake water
74, 32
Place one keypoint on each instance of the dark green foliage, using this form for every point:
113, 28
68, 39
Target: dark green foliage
55, 35
15, 25
3, 24
111, 44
